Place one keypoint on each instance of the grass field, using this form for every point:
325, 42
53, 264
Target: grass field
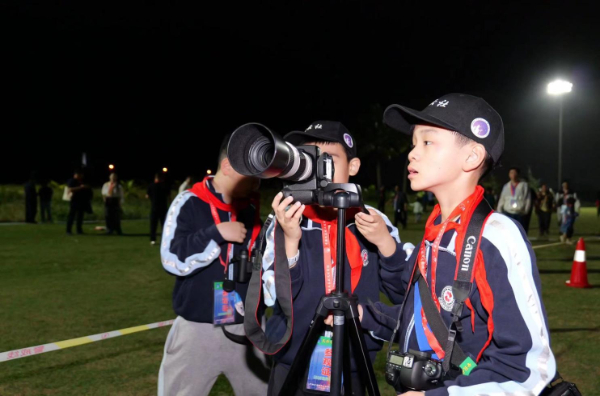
55, 287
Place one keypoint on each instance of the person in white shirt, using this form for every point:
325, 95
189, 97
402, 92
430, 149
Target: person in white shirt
515, 198
113, 196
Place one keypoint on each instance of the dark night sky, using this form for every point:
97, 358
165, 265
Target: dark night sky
146, 86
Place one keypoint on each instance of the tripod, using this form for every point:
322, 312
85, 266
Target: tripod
346, 323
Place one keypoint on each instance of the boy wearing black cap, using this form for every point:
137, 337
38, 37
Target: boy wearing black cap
310, 239
502, 327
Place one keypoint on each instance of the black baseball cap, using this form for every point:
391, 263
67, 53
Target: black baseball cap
329, 131
468, 115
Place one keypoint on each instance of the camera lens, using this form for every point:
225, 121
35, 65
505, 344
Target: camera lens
255, 150
261, 154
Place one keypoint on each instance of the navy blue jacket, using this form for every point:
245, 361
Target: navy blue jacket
308, 283
190, 249
519, 359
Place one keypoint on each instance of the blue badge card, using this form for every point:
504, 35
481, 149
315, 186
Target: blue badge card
225, 305
319, 371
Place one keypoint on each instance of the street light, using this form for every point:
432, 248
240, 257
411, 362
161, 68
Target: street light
559, 88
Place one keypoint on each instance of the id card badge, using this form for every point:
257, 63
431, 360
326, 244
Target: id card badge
513, 203
319, 371
225, 305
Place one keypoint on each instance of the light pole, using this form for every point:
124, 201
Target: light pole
558, 88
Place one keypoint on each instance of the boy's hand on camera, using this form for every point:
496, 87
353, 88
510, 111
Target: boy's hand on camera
232, 231
288, 218
373, 227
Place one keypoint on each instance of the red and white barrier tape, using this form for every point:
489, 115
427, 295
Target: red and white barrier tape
55, 346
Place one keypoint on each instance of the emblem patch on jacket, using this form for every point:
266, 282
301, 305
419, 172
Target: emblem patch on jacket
447, 298
365, 257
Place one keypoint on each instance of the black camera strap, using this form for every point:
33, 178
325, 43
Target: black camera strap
461, 289
253, 317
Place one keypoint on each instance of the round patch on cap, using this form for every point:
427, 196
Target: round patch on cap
348, 140
480, 128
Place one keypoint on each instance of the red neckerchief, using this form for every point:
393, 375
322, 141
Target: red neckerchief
328, 220
435, 232
202, 191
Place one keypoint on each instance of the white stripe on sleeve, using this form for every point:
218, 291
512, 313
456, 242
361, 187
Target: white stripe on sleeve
170, 261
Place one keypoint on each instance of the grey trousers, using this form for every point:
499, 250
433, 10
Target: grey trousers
197, 353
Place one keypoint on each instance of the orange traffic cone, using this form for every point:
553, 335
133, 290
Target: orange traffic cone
579, 269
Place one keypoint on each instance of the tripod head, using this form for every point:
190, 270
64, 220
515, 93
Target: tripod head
330, 195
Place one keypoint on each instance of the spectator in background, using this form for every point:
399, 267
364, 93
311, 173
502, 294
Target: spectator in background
544, 206
417, 210
381, 201
568, 220
80, 202
30, 200
561, 199
159, 195
113, 196
515, 198
45, 194
187, 184
400, 207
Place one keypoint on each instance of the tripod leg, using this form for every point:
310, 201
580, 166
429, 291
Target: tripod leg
361, 354
296, 372
347, 363
339, 318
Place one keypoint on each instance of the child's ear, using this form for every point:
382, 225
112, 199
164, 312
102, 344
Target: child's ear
475, 158
226, 166
353, 166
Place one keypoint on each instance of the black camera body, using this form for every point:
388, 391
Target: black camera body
239, 270
414, 370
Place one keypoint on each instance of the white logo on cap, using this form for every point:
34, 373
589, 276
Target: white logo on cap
439, 103
318, 126
308, 129
348, 140
480, 128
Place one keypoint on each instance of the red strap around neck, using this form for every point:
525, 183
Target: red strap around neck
202, 191
434, 233
328, 219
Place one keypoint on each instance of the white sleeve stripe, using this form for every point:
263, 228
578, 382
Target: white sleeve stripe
394, 232
170, 261
505, 236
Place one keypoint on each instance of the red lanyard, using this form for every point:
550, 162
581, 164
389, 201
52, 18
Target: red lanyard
215, 215
513, 189
328, 260
464, 209
329, 231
